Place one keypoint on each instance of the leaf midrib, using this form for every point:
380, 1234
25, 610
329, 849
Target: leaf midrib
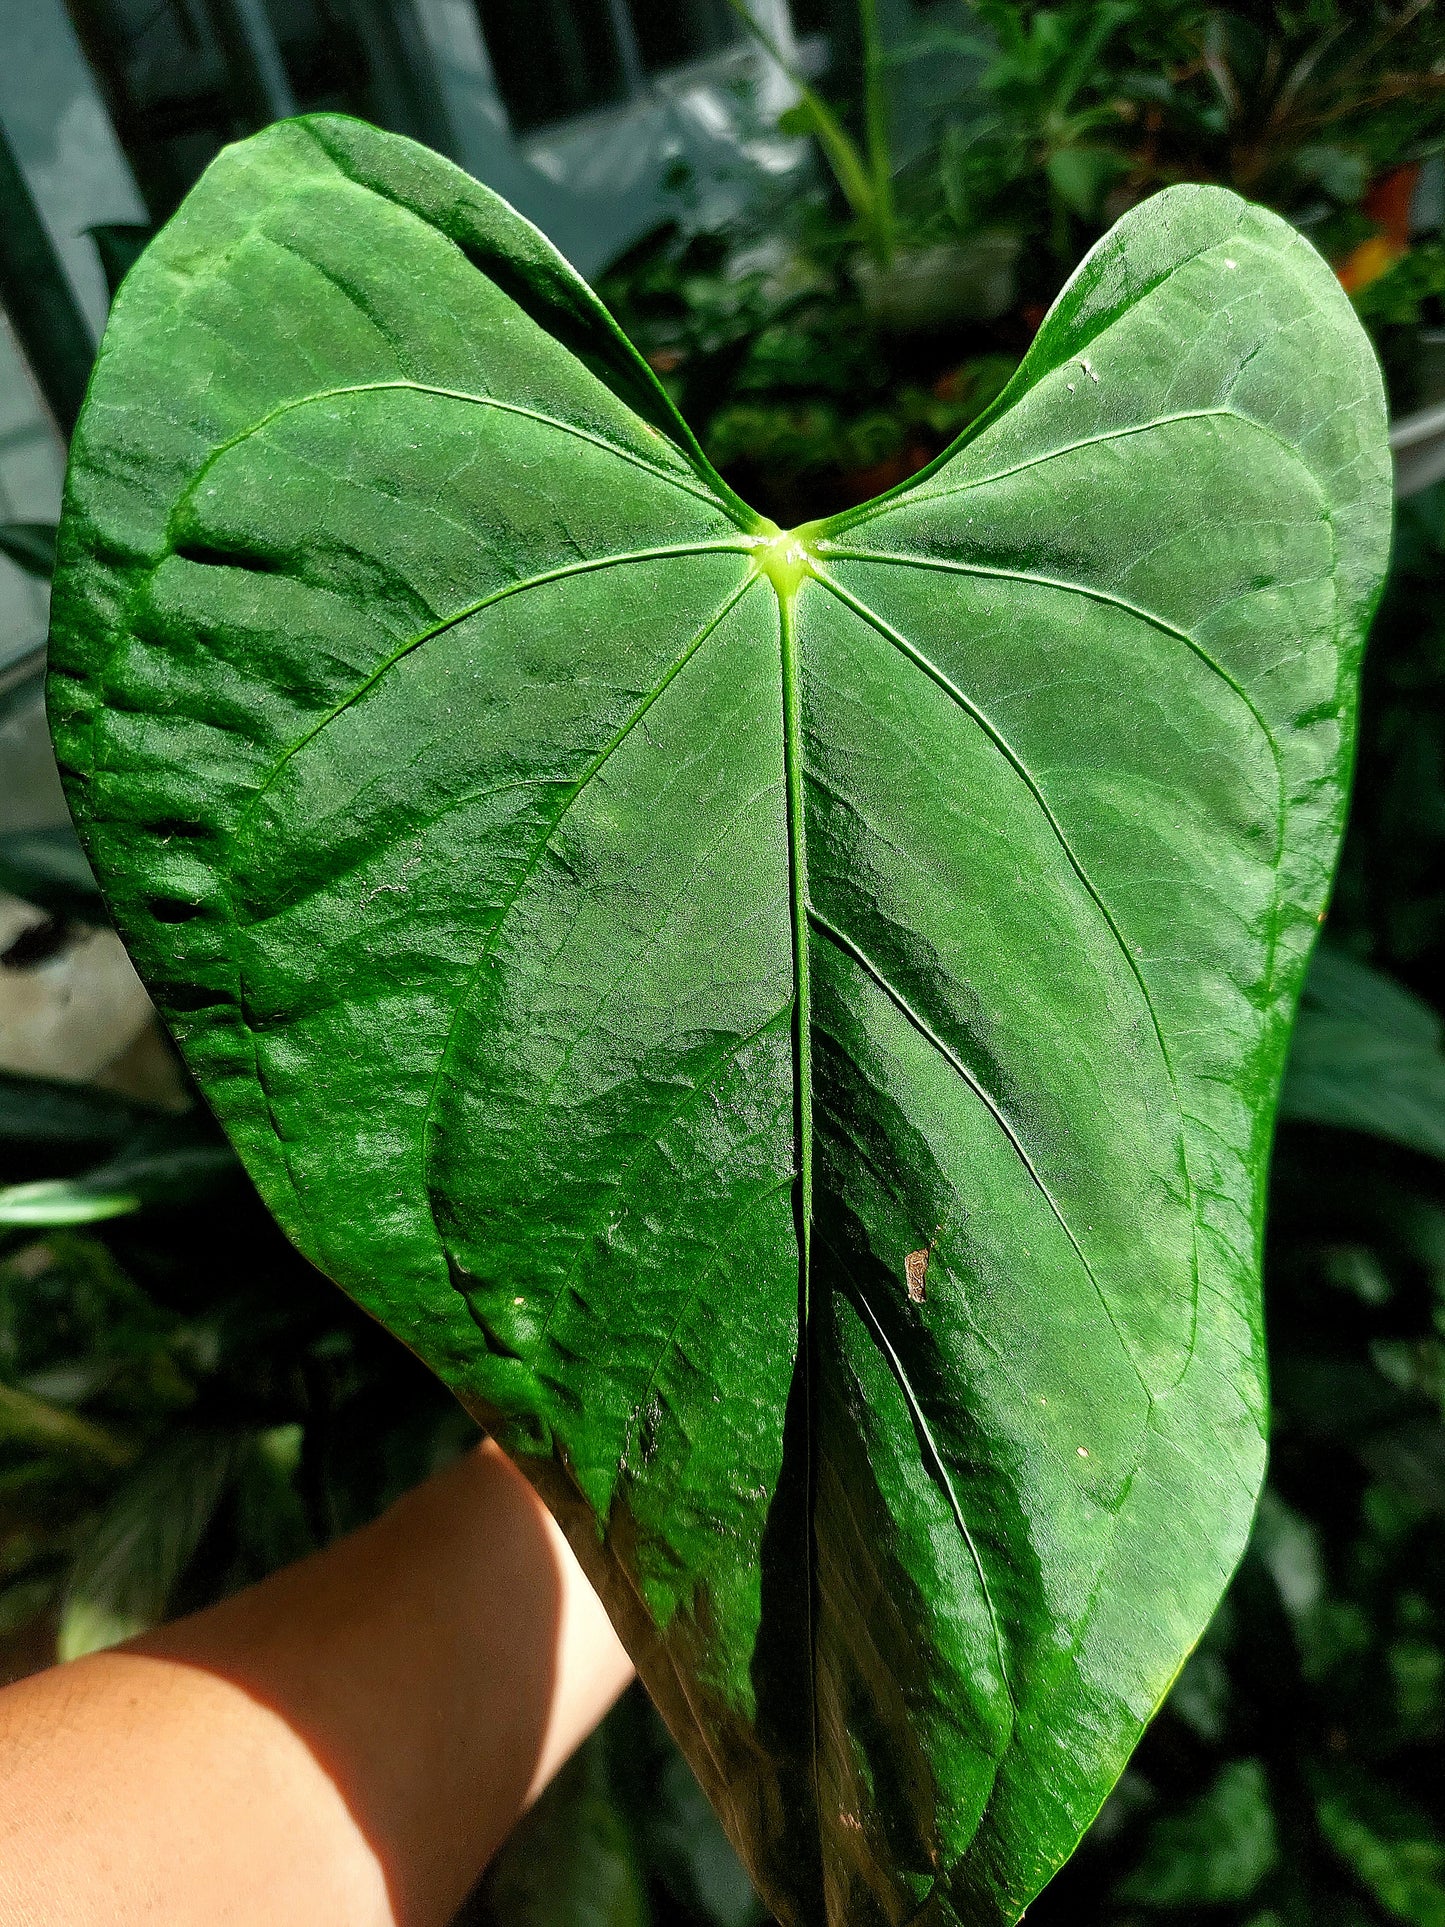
786, 587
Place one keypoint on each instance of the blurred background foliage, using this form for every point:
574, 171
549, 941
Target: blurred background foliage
185, 1404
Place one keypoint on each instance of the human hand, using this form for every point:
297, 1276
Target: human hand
348, 1742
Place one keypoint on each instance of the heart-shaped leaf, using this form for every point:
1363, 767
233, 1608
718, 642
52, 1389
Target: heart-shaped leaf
787, 1025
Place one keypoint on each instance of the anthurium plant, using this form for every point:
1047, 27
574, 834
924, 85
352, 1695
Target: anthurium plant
786, 1023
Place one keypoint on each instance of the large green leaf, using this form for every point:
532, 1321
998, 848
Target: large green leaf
787, 1025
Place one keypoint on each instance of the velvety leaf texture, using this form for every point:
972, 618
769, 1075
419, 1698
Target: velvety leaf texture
788, 1026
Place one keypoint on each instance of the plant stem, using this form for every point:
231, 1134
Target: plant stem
850, 169
875, 126
44, 1426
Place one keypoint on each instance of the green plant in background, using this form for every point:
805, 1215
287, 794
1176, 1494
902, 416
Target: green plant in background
817, 1050
1302, 101
1046, 105
1299, 105
1012, 134
862, 171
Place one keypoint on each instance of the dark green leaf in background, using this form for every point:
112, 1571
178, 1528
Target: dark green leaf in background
1217, 1851
51, 1111
1392, 1848
162, 1172
30, 545
788, 1026
40, 1425
685, 1843
571, 1862
119, 245
1367, 1056
47, 867
124, 1577
22, 687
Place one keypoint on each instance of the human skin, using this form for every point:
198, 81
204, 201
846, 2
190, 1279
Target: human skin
347, 1742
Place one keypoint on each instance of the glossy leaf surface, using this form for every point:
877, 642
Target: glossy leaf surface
788, 1026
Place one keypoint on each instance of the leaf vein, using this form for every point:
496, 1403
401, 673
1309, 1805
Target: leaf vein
586, 566
925, 1030
1068, 587
573, 429
926, 494
608, 749
940, 1473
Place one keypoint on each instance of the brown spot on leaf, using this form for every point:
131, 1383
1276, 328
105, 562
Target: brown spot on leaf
915, 1272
